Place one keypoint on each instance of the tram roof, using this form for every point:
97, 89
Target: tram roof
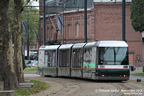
90, 44
49, 47
66, 46
78, 45
112, 44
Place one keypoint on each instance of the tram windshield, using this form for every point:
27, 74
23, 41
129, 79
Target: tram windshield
113, 56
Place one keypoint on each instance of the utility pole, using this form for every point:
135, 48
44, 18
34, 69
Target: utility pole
85, 21
44, 25
123, 20
49, 29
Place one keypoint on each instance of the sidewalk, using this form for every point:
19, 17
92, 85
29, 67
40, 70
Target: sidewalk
54, 86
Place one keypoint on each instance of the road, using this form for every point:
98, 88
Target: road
135, 77
80, 87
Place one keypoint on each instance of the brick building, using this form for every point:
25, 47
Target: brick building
104, 22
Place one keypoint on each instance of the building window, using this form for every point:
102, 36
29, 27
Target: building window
51, 33
77, 29
68, 30
33, 46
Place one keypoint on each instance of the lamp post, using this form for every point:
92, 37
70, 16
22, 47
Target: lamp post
36, 32
27, 38
138, 58
44, 25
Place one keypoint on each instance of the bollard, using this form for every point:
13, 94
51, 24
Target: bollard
137, 65
138, 80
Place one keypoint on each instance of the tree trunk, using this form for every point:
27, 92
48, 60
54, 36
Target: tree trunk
18, 40
1, 43
6, 51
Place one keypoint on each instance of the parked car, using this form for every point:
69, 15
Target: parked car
27, 62
132, 67
34, 63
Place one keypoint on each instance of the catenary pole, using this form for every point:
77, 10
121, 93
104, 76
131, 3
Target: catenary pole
123, 20
44, 25
85, 21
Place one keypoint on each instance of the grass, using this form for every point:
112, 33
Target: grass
34, 69
139, 73
38, 87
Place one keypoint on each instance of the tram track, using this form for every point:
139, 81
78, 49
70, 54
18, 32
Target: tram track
125, 89
74, 87
137, 89
66, 88
114, 93
82, 87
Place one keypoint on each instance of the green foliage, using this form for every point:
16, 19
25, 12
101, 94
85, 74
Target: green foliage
38, 87
30, 69
137, 15
139, 73
30, 16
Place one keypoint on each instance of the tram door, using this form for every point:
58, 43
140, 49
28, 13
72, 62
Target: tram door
41, 62
89, 63
64, 63
52, 62
76, 66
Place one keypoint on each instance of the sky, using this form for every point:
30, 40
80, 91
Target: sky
35, 3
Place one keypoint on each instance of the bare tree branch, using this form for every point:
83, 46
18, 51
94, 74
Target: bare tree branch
27, 1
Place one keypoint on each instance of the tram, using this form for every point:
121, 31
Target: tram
100, 60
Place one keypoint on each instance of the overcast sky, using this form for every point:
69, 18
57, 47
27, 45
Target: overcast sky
34, 3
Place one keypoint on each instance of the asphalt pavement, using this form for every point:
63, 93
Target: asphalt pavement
135, 77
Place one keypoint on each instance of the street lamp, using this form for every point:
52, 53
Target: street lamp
138, 58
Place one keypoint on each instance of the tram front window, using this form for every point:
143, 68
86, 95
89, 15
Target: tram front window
113, 56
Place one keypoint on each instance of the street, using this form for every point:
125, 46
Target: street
81, 87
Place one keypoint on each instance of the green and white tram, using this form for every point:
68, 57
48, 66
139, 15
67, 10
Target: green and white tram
112, 61
64, 60
48, 58
77, 60
100, 60
90, 60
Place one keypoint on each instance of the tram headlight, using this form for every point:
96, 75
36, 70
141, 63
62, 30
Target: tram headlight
123, 75
102, 75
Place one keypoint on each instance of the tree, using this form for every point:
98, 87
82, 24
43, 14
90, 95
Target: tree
137, 15
34, 16
30, 16
137, 18
18, 40
18, 8
7, 64
6, 51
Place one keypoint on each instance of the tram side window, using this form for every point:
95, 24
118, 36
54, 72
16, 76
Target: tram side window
46, 59
77, 58
52, 58
64, 58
